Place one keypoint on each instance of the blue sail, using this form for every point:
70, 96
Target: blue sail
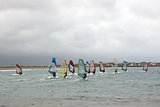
87, 67
53, 67
124, 66
54, 61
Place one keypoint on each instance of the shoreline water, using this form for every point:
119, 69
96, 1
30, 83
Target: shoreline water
40, 102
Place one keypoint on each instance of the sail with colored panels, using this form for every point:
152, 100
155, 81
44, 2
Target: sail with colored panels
71, 66
92, 67
18, 69
115, 65
81, 69
124, 66
87, 67
63, 69
101, 67
53, 67
145, 66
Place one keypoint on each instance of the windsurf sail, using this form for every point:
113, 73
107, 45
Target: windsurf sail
92, 67
87, 67
18, 69
145, 66
71, 66
53, 67
124, 66
81, 69
115, 65
63, 69
101, 67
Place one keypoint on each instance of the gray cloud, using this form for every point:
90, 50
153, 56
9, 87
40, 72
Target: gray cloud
72, 29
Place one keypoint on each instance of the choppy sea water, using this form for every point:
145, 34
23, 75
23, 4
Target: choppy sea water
132, 86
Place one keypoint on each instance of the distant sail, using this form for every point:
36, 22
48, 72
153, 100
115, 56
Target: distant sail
63, 69
18, 69
145, 66
92, 67
101, 67
87, 67
53, 67
81, 69
124, 66
71, 66
115, 65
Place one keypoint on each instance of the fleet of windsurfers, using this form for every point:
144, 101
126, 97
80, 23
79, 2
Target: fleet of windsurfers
84, 74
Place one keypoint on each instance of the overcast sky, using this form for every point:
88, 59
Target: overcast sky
34, 31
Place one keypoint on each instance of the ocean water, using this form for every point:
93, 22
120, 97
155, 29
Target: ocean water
134, 86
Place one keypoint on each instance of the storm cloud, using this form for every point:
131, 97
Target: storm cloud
34, 31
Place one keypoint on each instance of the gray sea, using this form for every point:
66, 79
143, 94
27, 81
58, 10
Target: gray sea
37, 88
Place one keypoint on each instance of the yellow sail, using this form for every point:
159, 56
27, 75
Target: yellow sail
115, 65
63, 69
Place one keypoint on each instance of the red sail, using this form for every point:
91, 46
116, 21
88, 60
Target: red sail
71, 66
18, 69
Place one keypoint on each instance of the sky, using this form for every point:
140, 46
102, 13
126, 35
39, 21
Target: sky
34, 31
